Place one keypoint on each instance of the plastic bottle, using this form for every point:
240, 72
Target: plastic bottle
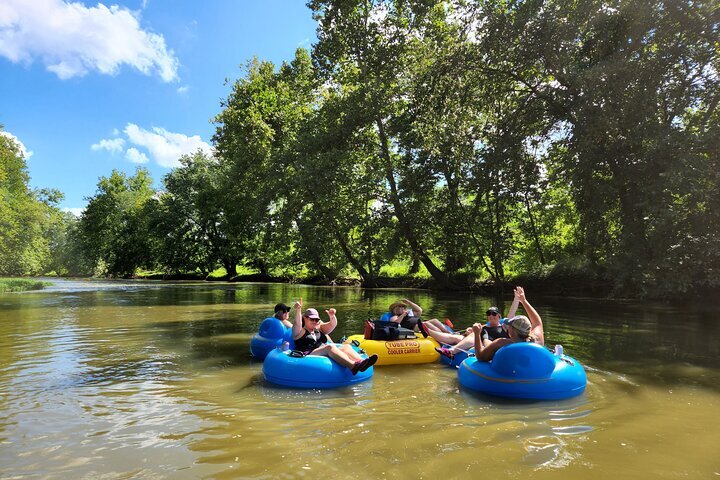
558, 350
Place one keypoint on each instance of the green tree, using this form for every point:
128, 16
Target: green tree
364, 48
629, 88
255, 142
189, 221
114, 227
24, 218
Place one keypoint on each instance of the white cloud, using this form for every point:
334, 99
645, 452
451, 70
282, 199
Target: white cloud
75, 211
23, 150
165, 147
136, 156
112, 145
71, 39
184, 89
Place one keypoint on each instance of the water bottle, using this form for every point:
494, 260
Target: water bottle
558, 350
285, 346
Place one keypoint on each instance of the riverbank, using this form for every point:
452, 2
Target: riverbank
558, 282
21, 284
572, 286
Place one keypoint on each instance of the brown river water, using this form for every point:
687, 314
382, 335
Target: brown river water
155, 380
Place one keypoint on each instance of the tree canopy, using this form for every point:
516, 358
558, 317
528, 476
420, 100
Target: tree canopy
467, 141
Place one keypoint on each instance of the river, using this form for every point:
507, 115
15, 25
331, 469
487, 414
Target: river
155, 380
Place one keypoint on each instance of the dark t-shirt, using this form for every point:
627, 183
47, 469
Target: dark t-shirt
493, 333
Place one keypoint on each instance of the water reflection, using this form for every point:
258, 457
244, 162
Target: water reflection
141, 380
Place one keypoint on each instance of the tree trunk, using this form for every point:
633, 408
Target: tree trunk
415, 265
533, 229
406, 226
230, 266
357, 265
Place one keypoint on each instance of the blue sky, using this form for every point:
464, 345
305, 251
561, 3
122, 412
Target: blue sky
90, 87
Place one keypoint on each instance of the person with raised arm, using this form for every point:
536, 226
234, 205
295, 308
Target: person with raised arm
520, 329
405, 313
310, 336
492, 330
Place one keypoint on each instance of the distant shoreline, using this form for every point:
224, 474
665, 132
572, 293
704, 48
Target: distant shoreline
13, 284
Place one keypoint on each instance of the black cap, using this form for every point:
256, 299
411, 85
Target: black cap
492, 310
281, 307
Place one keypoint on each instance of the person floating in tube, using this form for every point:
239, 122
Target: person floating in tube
407, 314
310, 336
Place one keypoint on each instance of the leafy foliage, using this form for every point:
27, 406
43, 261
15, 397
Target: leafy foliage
566, 142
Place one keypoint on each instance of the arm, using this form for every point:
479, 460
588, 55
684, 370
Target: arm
482, 334
398, 318
414, 306
487, 353
514, 305
537, 325
478, 343
297, 329
326, 328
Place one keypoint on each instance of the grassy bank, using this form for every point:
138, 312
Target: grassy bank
21, 284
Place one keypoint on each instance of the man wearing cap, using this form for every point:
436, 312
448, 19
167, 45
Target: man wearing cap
520, 329
492, 330
282, 313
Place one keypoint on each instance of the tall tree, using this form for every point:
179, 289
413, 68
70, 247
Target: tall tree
623, 84
25, 218
114, 227
188, 219
363, 46
255, 140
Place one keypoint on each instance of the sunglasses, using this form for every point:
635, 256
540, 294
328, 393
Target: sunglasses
491, 314
313, 319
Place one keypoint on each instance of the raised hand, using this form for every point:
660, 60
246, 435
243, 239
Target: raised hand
331, 312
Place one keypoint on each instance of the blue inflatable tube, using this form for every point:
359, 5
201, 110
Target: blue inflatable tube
385, 317
272, 334
524, 370
310, 371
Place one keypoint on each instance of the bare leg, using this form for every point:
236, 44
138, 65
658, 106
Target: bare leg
466, 343
445, 337
350, 352
434, 324
330, 350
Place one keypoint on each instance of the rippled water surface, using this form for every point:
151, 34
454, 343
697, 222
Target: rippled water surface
155, 380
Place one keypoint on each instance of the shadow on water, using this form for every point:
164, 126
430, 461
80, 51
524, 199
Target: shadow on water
163, 371
657, 343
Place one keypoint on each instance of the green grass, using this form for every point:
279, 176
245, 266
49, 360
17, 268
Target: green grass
222, 273
21, 284
400, 268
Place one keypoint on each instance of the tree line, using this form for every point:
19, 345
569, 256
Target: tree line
467, 141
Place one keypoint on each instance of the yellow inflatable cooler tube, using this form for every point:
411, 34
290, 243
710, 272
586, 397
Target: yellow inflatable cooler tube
399, 352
